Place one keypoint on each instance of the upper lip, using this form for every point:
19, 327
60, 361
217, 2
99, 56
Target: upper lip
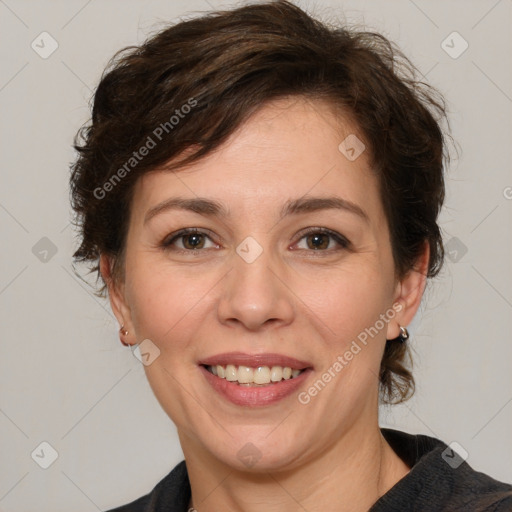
254, 360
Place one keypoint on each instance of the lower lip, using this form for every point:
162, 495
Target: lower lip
253, 396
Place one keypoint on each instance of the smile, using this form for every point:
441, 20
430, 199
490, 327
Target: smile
254, 380
249, 376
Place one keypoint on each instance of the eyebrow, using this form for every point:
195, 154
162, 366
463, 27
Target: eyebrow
211, 208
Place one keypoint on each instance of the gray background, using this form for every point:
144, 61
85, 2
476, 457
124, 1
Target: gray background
64, 376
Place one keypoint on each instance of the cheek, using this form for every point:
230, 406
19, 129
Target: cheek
169, 305
345, 301
166, 304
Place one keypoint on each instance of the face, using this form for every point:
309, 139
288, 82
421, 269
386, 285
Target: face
270, 275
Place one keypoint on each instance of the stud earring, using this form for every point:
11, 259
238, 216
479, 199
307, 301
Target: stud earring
123, 332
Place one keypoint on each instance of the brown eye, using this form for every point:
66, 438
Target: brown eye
187, 240
324, 240
318, 241
193, 241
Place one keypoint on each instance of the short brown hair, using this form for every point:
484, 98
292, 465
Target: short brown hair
211, 73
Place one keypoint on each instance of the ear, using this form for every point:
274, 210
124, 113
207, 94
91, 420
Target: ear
408, 293
116, 295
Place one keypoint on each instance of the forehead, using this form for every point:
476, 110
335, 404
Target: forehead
287, 149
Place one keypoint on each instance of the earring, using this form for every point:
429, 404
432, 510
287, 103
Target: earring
123, 332
404, 335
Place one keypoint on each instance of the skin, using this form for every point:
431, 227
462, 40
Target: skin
293, 299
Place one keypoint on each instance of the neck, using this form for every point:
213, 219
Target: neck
353, 473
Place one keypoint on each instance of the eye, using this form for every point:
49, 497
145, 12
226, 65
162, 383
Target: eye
187, 240
323, 240
193, 240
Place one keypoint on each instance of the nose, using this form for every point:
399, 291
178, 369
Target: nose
256, 295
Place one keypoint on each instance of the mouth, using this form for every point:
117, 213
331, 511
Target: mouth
249, 376
254, 380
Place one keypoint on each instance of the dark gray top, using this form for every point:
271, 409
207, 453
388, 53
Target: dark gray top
439, 480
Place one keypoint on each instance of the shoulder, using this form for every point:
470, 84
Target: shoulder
440, 479
171, 493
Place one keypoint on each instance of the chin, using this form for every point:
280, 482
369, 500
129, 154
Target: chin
253, 450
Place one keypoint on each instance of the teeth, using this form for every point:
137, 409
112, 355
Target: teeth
276, 373
245, 375
231, 373
261, 375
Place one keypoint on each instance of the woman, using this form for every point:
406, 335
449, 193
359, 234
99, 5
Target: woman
259, 194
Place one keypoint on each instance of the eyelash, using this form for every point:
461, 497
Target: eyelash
169, 241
